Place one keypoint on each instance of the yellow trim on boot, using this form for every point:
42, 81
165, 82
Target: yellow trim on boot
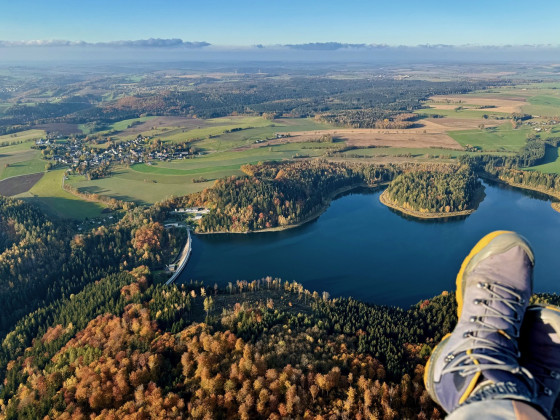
427, 367
473, 383
477, 248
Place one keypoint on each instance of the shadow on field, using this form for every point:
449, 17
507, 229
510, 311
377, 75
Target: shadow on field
65, 208
550, 156
93, 189
128, 198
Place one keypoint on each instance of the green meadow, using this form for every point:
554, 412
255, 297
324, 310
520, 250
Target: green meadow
543, 105
49, 195
20, 159
551, 162
495, 139
470, 114
117, 126
24, 136
422, 153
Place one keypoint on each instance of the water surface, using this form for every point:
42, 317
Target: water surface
363, 249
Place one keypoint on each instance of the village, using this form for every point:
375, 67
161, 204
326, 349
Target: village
85, 157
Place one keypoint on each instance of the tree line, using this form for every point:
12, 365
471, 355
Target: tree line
42, 260
274, 195
435, 191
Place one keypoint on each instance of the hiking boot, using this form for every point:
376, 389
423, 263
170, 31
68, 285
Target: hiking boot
540, 352
479, 359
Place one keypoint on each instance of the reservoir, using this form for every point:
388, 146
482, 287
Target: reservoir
361, 248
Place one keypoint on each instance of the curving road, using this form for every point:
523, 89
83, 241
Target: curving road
185, 254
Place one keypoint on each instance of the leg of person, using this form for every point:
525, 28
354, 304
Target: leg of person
496, 410
540, 352
479, 360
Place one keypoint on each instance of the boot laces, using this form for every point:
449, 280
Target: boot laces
490, 353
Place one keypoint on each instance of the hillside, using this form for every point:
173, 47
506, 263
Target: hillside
267, 349
109, 340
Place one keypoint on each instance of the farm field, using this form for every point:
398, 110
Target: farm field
212, 135
544, 105
495, 139
500, 104
117, 126
472, 114
22, 136
19, 167
19, 184
20, 159
425, 153
49, 195
542, 99
227, 143
145, 189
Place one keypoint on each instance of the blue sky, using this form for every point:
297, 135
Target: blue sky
246, 22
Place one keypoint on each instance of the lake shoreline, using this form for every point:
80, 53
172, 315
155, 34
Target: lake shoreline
385, 200
312, 216
358, 235
554, 204
479, 197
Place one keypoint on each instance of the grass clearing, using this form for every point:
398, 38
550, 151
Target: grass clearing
124, 124
17, 168
20, 159
543, 105
145, 188
551, 162
154, 169
49, 195
4, 107
496, 139
22, 136
464, 113
420, 152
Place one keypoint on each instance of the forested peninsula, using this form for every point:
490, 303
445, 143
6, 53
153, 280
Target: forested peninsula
284, 195
278, 195
448, 192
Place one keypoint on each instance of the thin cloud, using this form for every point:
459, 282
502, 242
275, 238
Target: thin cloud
141, 43
323, 46
332, 46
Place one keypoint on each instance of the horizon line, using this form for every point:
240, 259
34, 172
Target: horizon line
171, 43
